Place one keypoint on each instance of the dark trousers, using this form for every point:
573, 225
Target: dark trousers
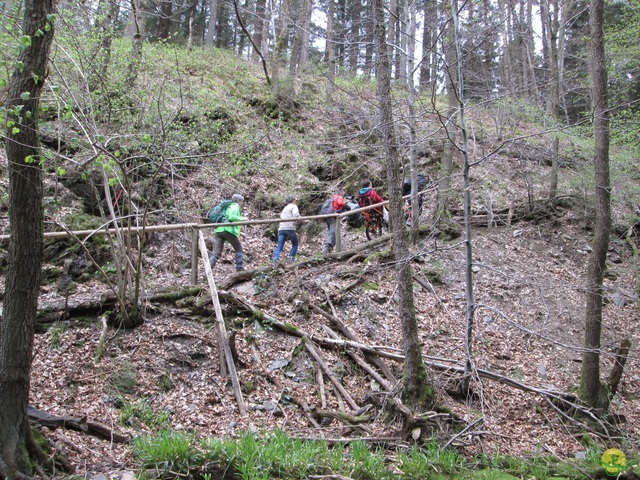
219, 241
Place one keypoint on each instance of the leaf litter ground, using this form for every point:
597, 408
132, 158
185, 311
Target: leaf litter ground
528, 283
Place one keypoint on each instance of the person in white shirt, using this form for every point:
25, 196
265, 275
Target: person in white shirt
287, 230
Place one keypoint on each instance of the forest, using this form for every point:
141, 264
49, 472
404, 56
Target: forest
490, 334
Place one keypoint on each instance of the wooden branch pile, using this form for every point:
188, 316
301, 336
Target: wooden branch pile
487, 216
370, 359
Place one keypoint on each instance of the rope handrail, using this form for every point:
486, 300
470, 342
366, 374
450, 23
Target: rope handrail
198, 226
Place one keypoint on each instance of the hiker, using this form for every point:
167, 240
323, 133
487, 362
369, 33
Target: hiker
423, 181
334, 204
230, 233
287, 230
368, 196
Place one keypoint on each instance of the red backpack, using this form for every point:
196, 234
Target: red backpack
338, 203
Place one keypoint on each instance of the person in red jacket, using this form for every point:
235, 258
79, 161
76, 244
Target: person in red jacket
368, 196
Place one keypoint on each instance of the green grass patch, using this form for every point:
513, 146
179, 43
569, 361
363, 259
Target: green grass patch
278, 456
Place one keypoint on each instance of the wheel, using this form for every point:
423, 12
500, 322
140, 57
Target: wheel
373, 229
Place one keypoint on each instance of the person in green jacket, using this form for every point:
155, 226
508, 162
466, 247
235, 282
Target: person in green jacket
230, 233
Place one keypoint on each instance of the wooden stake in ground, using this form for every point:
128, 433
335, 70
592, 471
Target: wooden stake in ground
224, 350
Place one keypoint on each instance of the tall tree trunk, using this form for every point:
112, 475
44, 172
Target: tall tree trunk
299, 48
449, 121
418, 392
429, 33
239, 30
224, 36
17, 448
549, 10
415, 204
164, 23
368, 40
567, 8
136, 43
306, 34
391, 33
213, 18
259, 27
330, 52
280, 48
354, 50
529, 46
507, 40
403, 39
108, 13
592, 390
340, 33
469, 312
190, 29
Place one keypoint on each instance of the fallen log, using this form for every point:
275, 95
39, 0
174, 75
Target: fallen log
61, 310
78, 424
345, 418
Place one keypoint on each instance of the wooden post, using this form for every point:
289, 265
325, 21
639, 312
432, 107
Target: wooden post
224, 350
194, 256
338, 234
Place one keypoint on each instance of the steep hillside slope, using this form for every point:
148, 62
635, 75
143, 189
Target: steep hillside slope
528, 285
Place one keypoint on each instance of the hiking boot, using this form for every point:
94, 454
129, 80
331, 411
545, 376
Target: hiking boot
239, 262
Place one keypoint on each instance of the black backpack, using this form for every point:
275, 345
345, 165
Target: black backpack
423, 181
354, 220
218, 214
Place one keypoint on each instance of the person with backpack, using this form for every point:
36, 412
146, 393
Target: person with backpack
374, 218
367, 195
287, 230
423, 181
335, 204
230, 233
